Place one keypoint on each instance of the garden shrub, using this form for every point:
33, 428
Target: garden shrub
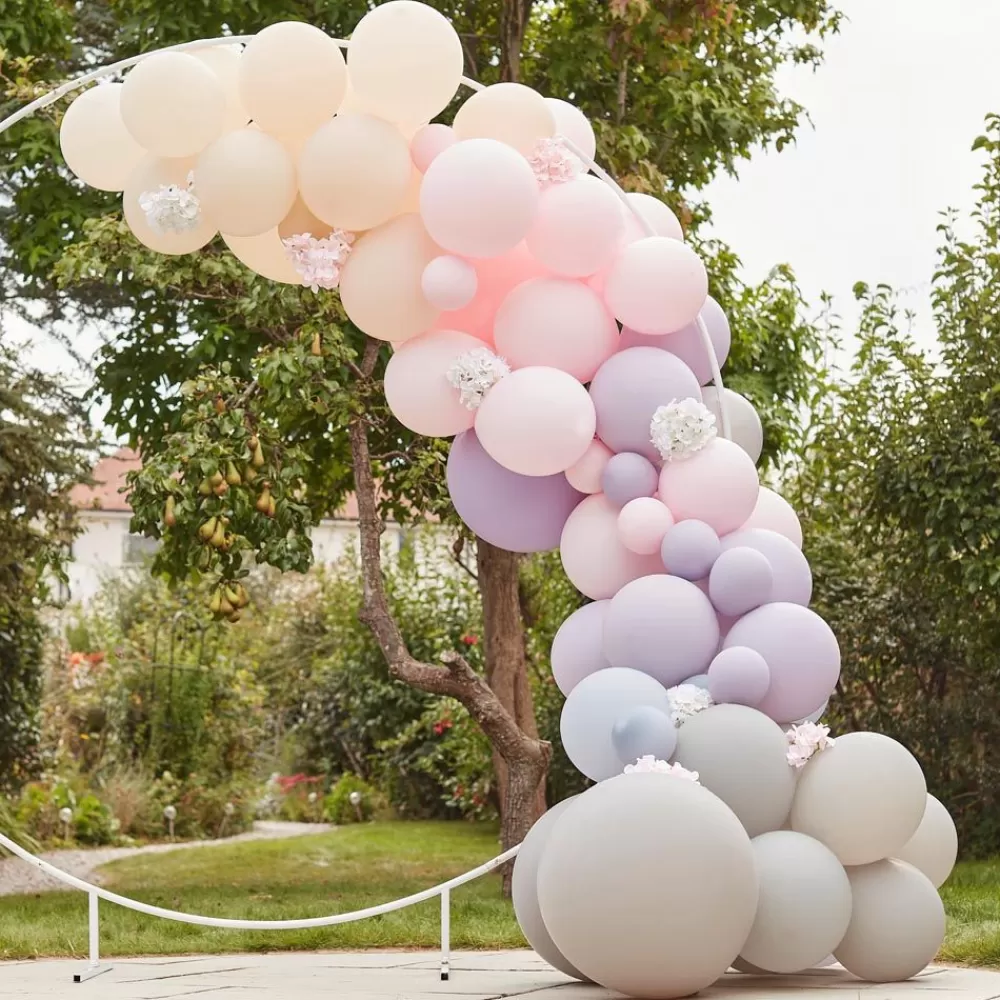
337, 806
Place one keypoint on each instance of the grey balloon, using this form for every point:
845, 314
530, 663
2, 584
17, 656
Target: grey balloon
644, 731
739, 754
934, 847
524, 890
698, 681
792, 577
689, 550
628, 476
741, 580
578, 650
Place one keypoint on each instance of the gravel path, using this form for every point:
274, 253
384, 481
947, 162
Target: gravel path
16, 876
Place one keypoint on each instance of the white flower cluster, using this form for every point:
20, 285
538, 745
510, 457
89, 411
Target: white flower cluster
651, 765
475, 373
553, 163
681, 428
319, 262
686, 701
805, 740
172, 208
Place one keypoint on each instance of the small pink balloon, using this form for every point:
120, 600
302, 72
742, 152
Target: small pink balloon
585, 474
416, 385
642, 523
536, 421
578, 227
775, 513
449, 282
656, 285
717, 485
555, 322
429, 142
593, 556
655, 212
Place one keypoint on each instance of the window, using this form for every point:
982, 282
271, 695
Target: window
139, 548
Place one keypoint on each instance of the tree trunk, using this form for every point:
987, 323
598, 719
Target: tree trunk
514, 16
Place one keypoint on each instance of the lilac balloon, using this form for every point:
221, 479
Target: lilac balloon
801, 652
738, 676
628, 476
577, 649
513, 512
689, 550
627, 390
741, 580
663, 626
687, 343
792, 576
644, 730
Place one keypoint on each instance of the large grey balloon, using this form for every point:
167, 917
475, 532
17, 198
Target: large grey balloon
647, 885
745, 427
739, 754
642, 732
897, 923
934, 847
578, 648
524, 890
804, 906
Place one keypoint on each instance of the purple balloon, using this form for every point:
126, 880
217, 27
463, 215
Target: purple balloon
627, 390
663, 626
577, 650
517, 513
687, 344
801, 653
689, 550
792, 576
738, 676
628, 476
740, 581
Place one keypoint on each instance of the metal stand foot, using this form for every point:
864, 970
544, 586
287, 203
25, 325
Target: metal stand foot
94, 967
91, 972
445, 935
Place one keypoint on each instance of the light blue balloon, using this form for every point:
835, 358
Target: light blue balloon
644, 731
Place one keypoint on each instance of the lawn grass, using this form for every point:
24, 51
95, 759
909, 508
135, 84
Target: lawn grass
972, 900
347, 869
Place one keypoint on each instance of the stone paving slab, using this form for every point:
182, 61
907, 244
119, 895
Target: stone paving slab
401, 975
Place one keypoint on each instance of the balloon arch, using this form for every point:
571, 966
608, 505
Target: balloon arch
561, 330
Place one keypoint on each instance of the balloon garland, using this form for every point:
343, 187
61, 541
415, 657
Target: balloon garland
561, 330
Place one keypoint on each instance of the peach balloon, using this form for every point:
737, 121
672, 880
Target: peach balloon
536, 421
508, 112
301, 221
449, 282
578, 227
558, 323
95, 143
406, 62
572, 123
411, 199
585, 474
479, 198
659, 215
246, 182
593, 556
173, 104
354, 171
380, 283
775, 513
417, 388
642, 524
264, 255
656, 285
151, 174
292, 78
717, 485
429, 142
224, 62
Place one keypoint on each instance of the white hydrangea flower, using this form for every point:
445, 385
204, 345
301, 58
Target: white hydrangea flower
651, 765
475, 373
681, 429
319, 262
553, 163
686, 701
805, 740
172, 208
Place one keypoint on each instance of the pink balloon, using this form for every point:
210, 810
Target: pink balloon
642, 523
585, 474
449, 282
656, 285
479, 198
593, 556
775, 513
417, 389
558, 323
717, 485
429, 142
536, 421
658, 214
577, 228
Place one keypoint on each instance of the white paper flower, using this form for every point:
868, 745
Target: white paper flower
686, 701
553, 163
681, 429
475, 373
172, 208
805, 740
651, 765
319, 262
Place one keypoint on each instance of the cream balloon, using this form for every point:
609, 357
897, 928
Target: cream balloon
572, 123
173, 104
380, 284
508, 112
224, 62
95, 143
300, 221
746, 428
355, 171
246, 182
148, 177
292, 78
934, 847
264, 255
